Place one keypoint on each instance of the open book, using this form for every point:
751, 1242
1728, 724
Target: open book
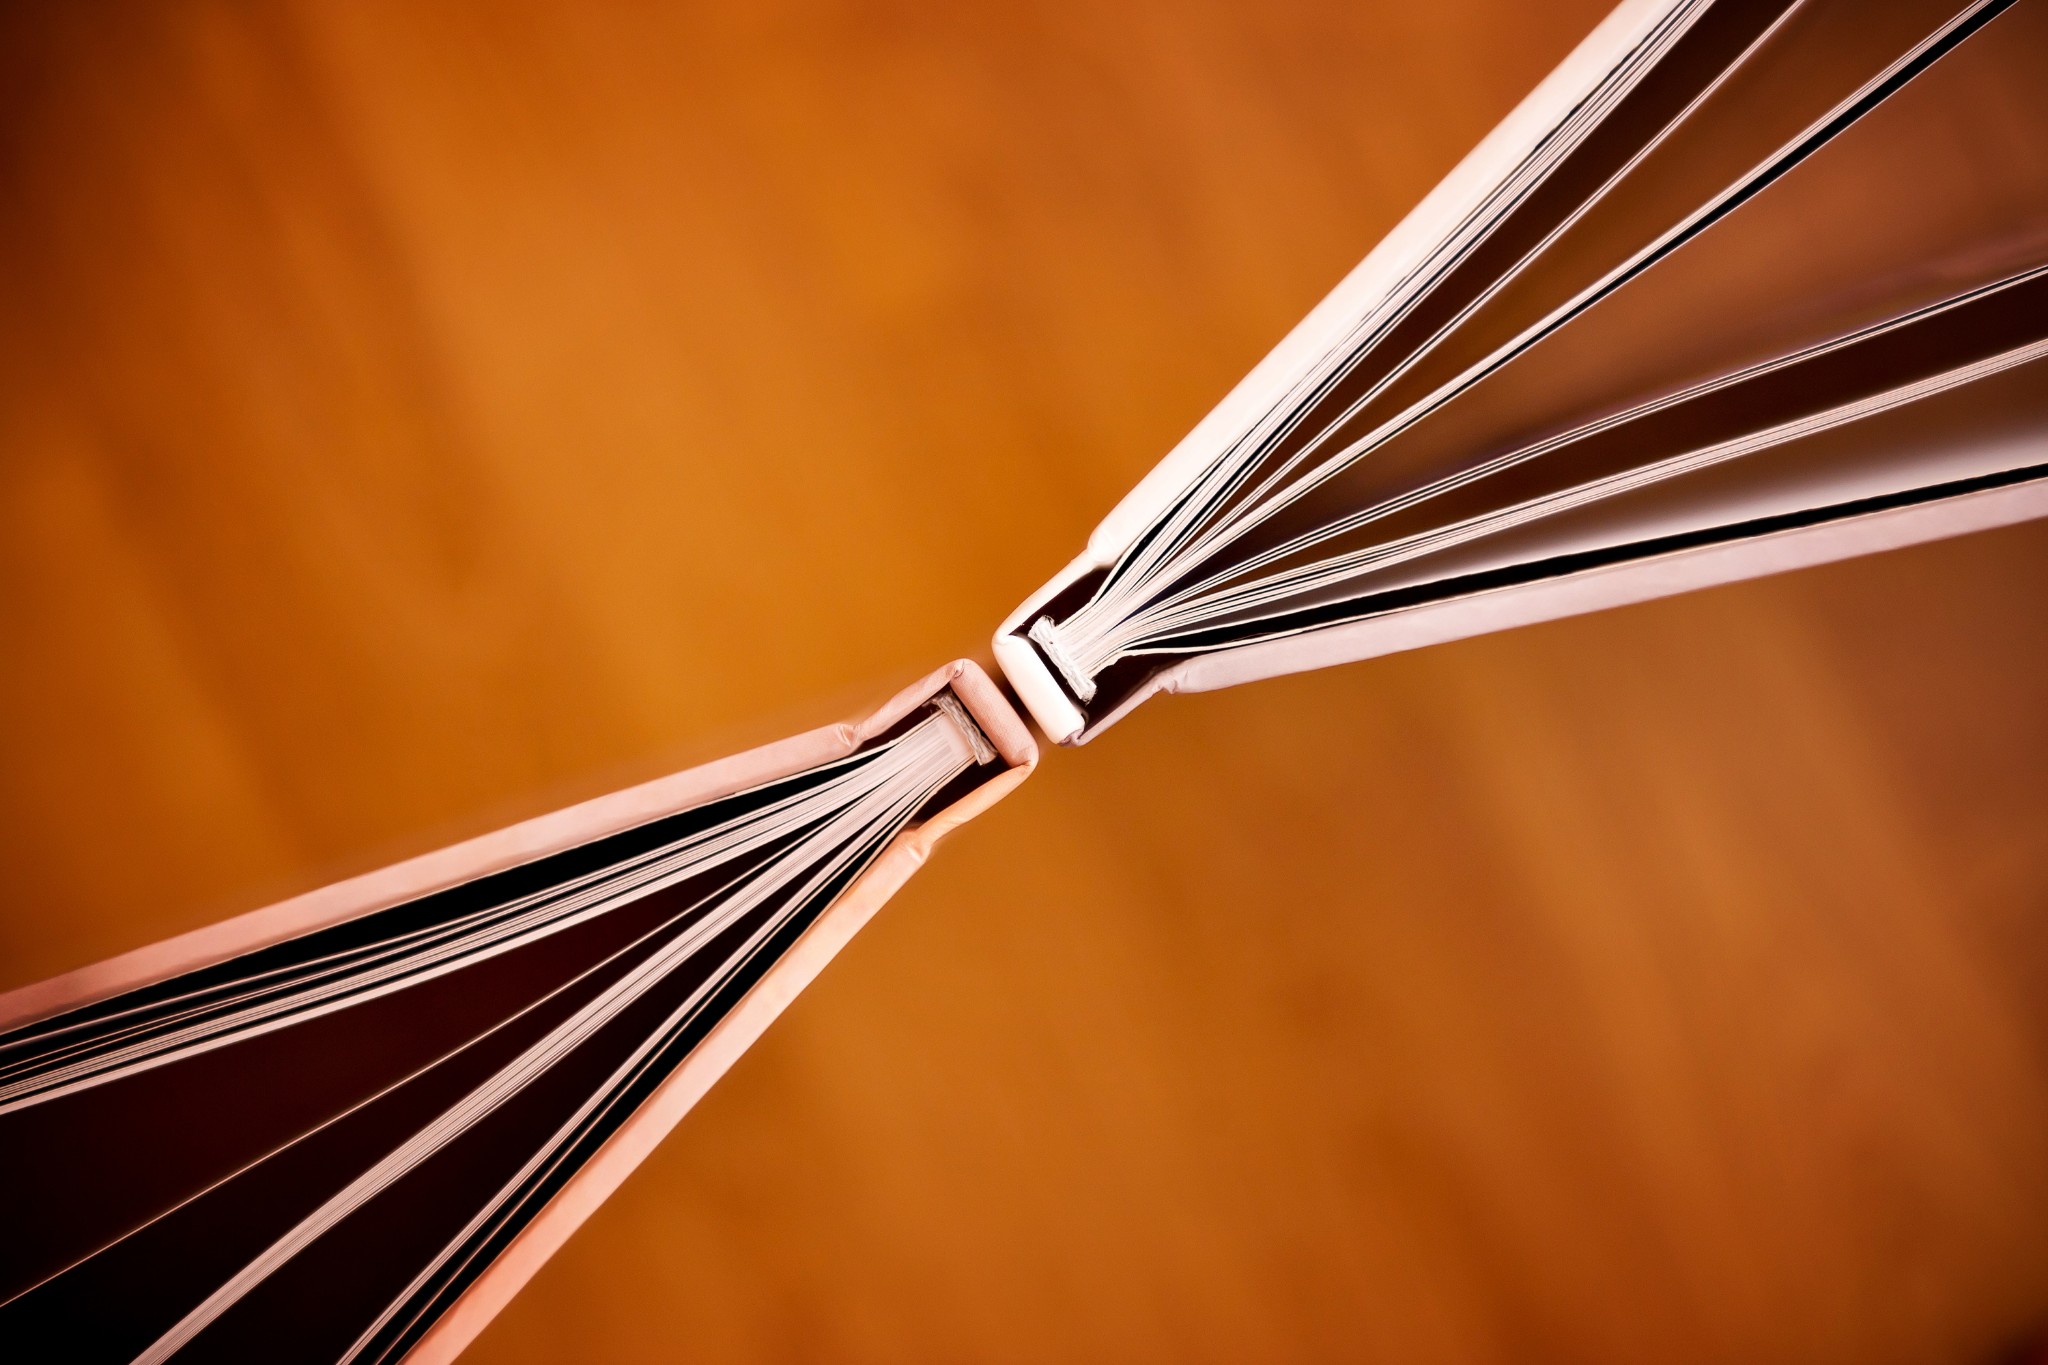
1744, 285
350, 1126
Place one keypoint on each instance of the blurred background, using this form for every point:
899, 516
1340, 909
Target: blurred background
416, 416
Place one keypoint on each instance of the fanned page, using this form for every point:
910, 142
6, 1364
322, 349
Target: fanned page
356, 1128
1748, 284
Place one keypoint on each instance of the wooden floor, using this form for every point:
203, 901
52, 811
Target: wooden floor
413, 416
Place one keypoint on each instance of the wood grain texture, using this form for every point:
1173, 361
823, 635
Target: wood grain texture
416, 416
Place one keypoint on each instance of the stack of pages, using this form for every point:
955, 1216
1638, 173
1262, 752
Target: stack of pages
1744, 285
350, 1126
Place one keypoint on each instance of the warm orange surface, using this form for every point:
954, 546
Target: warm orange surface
417, 415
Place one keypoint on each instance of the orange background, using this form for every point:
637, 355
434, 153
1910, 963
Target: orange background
413, 417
